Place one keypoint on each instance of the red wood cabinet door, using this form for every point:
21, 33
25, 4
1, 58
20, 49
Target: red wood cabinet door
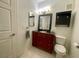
44, 41
34, 38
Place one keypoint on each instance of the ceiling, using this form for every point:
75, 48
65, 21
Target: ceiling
38, 1
43, 3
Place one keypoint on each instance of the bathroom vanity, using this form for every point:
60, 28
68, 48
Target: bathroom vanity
44, 41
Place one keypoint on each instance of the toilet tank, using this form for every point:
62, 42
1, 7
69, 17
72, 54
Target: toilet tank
60, 40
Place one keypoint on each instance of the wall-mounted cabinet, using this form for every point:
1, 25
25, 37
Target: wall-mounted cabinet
63, 19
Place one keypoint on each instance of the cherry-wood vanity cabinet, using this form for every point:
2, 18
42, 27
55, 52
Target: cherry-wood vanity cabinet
44, 41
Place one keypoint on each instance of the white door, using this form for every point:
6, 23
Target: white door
75, 37
7, 32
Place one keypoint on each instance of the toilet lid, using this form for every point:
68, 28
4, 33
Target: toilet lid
60, 48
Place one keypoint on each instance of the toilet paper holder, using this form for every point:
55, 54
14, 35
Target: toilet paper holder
76, 44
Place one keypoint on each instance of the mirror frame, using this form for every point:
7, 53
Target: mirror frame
33, 21
47, 30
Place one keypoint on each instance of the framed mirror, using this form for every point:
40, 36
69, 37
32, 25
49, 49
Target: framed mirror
31, 21
45, 22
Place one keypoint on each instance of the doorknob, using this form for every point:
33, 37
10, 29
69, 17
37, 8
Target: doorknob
12, 34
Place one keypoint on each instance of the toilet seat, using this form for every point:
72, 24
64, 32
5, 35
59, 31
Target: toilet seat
60, 49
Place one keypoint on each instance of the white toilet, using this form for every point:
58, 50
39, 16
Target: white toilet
59, 47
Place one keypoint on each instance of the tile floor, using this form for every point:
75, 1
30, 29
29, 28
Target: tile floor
33, 52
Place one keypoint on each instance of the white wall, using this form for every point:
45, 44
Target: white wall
22, 9
58, 6
75, 35
63, 31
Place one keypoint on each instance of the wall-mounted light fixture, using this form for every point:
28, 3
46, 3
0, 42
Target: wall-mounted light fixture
43, 10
